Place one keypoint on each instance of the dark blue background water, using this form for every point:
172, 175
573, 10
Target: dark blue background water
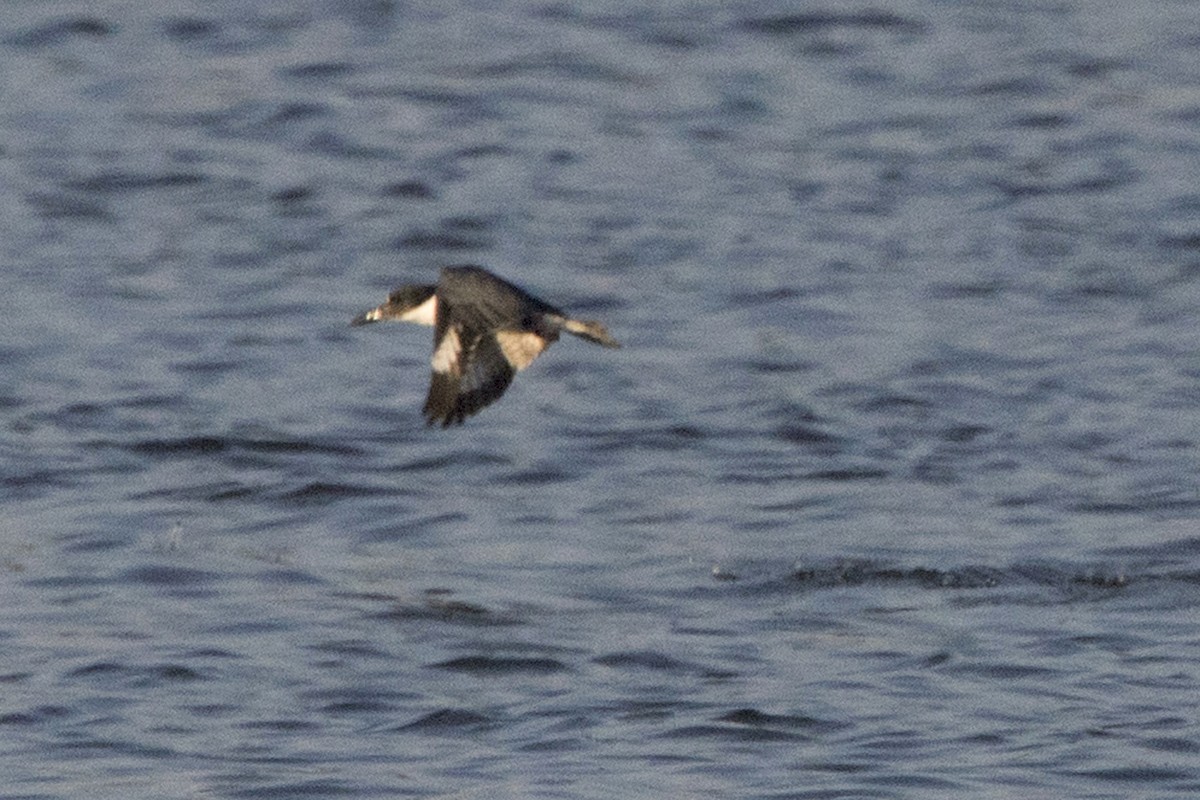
892, 493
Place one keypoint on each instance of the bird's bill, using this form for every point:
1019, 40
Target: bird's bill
374, 315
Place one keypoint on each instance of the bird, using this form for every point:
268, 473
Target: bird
485, 330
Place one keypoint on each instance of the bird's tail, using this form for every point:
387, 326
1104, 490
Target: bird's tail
591, 330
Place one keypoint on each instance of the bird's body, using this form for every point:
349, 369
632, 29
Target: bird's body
485, 330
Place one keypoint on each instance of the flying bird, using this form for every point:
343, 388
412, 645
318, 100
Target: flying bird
485, 330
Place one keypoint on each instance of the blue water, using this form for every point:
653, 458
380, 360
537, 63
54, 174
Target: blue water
893, 491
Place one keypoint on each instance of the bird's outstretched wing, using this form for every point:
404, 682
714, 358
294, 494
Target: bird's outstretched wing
469, 368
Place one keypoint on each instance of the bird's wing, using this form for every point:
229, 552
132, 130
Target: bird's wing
470, 369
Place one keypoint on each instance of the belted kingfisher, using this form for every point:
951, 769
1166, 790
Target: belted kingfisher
485, 330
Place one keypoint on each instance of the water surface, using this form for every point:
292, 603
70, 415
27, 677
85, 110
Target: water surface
891, 492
